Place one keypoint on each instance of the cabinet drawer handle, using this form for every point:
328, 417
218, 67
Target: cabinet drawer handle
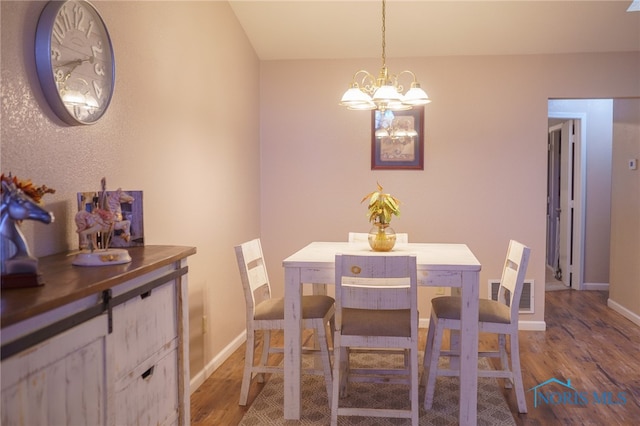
148, 373
145, 294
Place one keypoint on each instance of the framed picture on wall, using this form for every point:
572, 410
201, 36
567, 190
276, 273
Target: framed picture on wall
397, 140
126, 207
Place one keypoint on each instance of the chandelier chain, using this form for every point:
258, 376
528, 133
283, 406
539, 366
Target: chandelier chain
384, 28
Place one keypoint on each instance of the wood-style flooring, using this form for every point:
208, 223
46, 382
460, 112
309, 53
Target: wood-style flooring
594, 347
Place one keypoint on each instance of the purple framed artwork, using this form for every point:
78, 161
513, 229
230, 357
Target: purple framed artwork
397, 140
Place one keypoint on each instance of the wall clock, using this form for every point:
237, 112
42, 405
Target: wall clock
74, 61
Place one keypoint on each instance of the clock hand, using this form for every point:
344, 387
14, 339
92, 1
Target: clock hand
75, 64
78, 62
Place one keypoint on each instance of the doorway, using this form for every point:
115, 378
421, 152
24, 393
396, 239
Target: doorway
585, 164
563, 208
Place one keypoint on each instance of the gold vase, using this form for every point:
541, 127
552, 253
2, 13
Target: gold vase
382, 237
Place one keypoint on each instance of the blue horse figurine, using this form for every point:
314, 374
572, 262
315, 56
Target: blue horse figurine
17, 206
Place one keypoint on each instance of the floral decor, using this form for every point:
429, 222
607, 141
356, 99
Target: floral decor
381, 206
30, 190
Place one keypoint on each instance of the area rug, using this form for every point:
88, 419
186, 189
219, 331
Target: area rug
267, 408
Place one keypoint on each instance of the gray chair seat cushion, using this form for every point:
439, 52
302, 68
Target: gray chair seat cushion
371, 322
312, 307
489, 310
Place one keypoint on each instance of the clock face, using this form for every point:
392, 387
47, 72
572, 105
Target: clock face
74, 61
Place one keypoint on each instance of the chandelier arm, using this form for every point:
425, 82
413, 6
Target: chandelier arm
413, 75
395, 78
366, 75
366, 82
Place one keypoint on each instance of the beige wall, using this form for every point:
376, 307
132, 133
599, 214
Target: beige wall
484, 180
182, 127
624, 291
219, 164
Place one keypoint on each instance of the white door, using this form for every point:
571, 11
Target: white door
575, 163
553, 198
567, 193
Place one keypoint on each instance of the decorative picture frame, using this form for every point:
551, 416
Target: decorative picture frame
131, 235
397, 139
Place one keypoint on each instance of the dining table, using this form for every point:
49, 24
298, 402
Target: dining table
438, 265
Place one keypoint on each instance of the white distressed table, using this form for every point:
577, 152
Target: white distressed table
439, 265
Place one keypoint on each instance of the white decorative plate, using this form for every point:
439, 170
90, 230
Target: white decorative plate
102, 257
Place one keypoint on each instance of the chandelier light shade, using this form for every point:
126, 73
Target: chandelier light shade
366, 92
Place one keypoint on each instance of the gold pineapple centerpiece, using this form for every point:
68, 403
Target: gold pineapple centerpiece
382, 207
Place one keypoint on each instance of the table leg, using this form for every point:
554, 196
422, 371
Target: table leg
469, 349
320, 290
454, 336
292, 343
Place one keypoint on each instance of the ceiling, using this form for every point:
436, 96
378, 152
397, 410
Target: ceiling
332, 29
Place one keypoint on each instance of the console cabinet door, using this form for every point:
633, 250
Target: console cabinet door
61, 381
142, 326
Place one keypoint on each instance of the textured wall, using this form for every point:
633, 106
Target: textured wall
182, 128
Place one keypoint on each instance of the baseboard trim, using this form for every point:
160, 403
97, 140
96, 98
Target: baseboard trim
532, 325
631, 316
216, 362
595, 286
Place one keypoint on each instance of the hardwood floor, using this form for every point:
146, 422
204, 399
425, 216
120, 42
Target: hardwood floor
587, 343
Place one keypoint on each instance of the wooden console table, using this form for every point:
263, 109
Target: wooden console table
104, 345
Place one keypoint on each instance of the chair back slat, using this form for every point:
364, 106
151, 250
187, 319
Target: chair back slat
376, 293
513, 275
253, 273
257, 274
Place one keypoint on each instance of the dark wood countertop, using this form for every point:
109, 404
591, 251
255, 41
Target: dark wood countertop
65, 283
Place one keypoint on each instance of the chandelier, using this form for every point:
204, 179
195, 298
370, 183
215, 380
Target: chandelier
367, 92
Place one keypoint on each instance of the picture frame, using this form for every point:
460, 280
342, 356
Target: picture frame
397, 139
131, 235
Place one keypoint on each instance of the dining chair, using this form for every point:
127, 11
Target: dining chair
266, 313
498, 317
363, 237
359, 237
376, 307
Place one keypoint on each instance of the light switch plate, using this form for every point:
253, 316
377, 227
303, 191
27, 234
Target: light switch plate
633, 164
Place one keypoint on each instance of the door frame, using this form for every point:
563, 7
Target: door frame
553, 199
579, 200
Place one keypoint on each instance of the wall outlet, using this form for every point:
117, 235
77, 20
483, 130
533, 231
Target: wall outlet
439, 291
